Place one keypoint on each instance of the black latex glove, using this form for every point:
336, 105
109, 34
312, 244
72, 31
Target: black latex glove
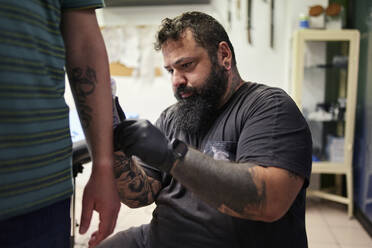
118, 117
120, 113
144, 140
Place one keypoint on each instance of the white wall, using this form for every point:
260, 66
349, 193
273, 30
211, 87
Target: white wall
256, 62
145, 15
138, 96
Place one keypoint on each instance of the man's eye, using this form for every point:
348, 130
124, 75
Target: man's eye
186, 64
170, 71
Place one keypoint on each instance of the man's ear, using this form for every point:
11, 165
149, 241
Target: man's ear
224, 55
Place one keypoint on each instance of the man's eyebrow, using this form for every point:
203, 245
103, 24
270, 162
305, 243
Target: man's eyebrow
179, 61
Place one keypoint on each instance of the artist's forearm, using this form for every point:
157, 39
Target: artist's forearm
233, 188
135, 188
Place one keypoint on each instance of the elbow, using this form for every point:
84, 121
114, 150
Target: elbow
133, 206
273, 214
269, 215
271, 218
132, 203
126, 201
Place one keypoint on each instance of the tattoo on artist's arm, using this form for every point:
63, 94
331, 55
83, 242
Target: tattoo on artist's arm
249, 199
83, 84
242, 194
293, 176
253, 204
136, 189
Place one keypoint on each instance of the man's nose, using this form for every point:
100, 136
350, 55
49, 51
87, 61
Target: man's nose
178, 79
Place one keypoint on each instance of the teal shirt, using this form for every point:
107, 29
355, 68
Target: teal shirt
35, 142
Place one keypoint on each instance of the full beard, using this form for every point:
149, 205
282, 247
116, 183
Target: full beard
196, 114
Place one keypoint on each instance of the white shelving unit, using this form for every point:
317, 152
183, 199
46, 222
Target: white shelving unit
314, 43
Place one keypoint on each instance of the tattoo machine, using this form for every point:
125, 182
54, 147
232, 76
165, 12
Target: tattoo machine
117, 111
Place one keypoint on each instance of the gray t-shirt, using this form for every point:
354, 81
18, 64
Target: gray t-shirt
259, 124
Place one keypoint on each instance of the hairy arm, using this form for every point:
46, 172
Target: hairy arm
88, 73
135, 188
242, 190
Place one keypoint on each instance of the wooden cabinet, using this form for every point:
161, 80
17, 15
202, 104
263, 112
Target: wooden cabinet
324, 86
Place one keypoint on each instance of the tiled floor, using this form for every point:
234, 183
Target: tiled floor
328, 225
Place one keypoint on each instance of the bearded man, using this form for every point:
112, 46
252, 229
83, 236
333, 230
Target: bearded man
227, 165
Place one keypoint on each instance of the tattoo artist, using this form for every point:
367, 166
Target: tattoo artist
227, 165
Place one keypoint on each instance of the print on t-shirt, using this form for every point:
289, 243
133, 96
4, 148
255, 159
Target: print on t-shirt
221, 150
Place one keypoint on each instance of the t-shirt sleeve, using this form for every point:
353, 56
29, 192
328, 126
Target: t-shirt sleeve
274, 133
82, 4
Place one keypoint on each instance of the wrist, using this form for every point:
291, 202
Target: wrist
102, 167
178, 150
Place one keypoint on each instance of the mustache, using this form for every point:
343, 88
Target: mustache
184, 89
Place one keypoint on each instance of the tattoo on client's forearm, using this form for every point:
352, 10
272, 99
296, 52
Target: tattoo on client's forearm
135, 188
83, 84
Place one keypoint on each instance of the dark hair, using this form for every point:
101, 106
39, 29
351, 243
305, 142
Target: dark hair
206, 30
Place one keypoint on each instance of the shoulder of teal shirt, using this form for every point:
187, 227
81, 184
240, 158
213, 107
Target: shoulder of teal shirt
82, 4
